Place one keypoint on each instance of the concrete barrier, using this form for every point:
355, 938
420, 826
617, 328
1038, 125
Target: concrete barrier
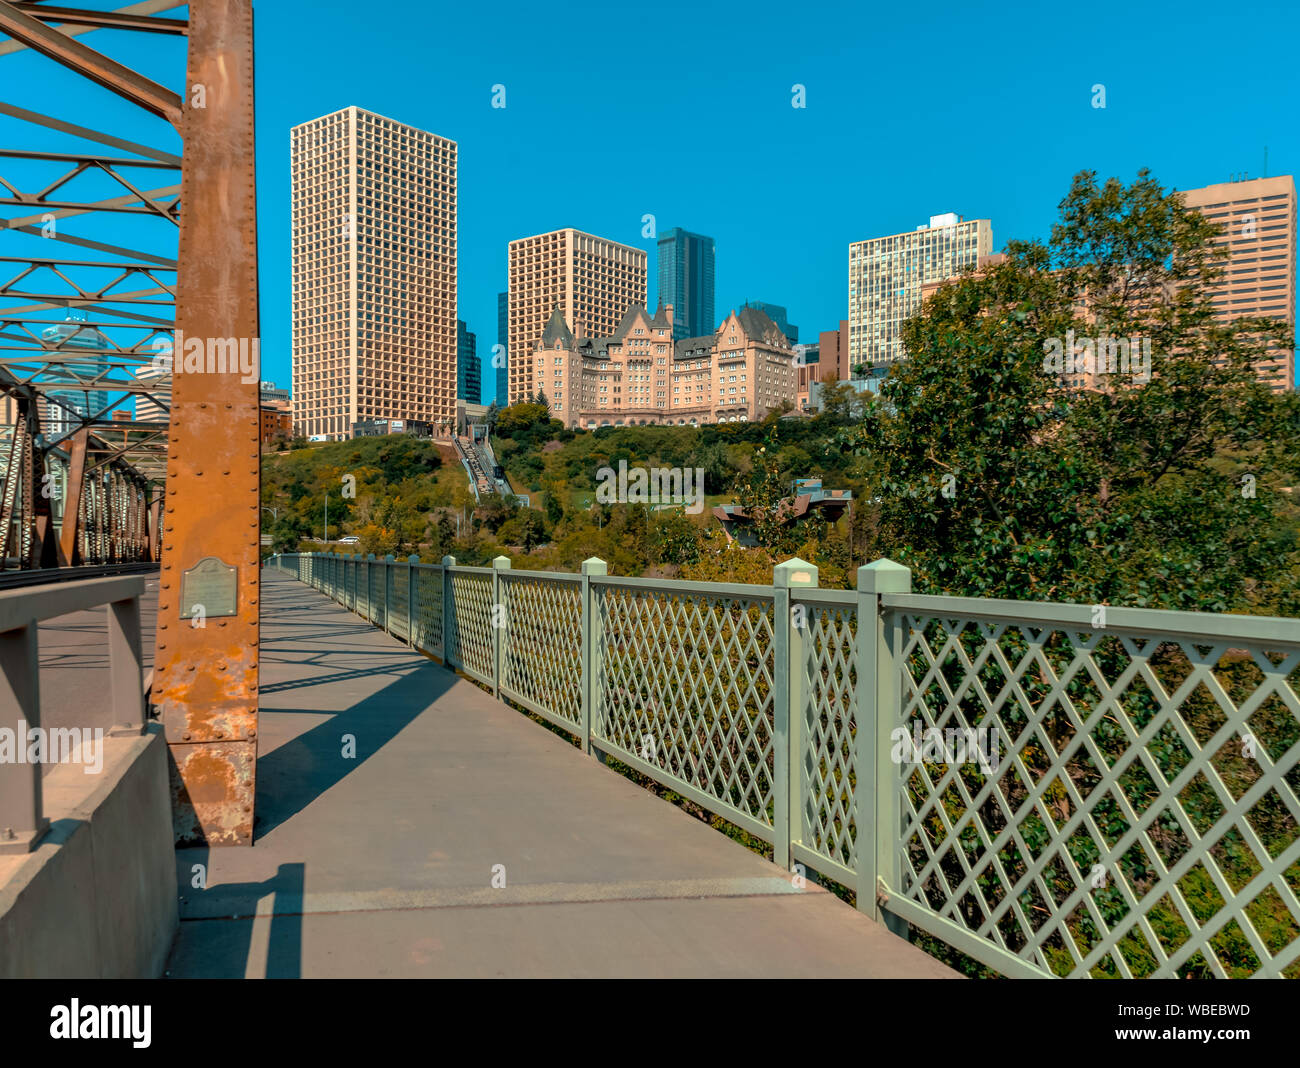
97, 898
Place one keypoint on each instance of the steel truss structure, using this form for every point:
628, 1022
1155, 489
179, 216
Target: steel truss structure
82, 472
178, 479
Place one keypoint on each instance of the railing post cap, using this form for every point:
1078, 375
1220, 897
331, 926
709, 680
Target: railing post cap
794, 572
501, 563
884, 576
594, 565
448, 561
370, 556
413, 559
390, 558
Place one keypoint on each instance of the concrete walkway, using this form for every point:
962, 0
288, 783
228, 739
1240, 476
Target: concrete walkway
382, 863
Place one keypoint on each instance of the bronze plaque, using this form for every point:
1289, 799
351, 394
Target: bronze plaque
210, 587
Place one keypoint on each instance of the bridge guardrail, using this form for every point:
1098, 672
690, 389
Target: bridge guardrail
22, 818
1052, 789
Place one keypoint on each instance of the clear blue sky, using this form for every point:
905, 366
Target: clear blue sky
683, 110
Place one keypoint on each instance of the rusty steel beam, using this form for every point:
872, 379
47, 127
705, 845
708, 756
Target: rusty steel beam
117, 20
145, 7
89, 134
72, 498
206, 677
112, 75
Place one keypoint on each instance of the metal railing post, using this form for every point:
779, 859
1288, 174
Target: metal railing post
22, 816
369, 617
125, 667
499, 621
879, 649
390, 562
789, 655
411, 561
448, 609
590, 648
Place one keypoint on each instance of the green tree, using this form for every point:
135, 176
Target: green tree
1000, 477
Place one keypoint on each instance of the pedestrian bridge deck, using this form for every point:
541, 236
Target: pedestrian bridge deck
382, 863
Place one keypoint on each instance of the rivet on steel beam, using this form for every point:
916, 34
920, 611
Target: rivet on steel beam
185, 737
219, 734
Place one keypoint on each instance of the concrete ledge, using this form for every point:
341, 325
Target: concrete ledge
97, 899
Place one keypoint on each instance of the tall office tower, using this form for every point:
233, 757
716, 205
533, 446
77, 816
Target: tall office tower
779, 315
886, 275
590, 279
1258, 217
501, 357
374, 273
468, 376
63, 409
686, 270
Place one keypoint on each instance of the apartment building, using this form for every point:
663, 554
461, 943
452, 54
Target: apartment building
1258, 217
592, 280
886, 276
640, 375
373, 221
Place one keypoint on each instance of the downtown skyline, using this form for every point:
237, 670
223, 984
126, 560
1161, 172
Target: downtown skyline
783, 191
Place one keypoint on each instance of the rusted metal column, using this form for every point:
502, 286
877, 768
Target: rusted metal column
205, 680
72, 498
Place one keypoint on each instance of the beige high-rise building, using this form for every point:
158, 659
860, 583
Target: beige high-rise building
1258, 217
374, 274
590, 279
886, 276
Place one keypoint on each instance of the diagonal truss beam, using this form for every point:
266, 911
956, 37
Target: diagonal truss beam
116, 20
143, 7
96, 66
88, 134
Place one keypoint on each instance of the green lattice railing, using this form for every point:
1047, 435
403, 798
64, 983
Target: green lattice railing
1053, 790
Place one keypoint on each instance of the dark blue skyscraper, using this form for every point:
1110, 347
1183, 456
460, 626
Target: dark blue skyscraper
778, 315
503, 331
468, 368
686, 281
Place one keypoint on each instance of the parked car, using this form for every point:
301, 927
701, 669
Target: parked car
351, 539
